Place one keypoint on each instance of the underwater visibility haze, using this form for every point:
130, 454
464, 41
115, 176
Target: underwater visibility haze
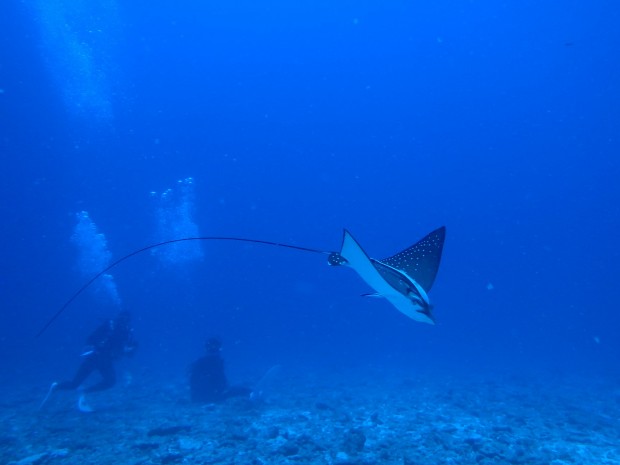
127, 124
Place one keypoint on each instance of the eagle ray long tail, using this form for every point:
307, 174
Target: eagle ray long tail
159, 244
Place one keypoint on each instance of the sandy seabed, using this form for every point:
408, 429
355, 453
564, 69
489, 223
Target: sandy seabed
328, 420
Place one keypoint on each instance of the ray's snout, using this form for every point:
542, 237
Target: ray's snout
335, 259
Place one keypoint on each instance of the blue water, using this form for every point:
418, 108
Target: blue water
295, 120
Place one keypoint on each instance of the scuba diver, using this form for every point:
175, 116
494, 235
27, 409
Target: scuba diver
208, 382
108, 343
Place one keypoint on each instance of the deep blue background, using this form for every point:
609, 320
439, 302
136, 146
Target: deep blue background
296, 119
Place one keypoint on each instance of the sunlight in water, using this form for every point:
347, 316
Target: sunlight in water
77, 42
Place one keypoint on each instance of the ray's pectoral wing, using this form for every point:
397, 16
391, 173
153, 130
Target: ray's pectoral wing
421, 260
353, 255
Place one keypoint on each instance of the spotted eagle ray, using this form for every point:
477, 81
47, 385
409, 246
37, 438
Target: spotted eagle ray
403, 279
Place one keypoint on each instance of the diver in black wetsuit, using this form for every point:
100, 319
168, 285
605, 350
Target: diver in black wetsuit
208, 382
105, 345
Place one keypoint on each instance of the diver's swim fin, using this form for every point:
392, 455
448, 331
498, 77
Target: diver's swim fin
50, 391
83, 405
258, 393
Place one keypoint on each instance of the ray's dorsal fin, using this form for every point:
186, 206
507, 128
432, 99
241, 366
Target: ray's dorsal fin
421, 260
